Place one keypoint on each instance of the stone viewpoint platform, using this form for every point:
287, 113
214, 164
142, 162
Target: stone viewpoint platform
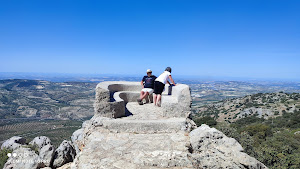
125, 135
112, 98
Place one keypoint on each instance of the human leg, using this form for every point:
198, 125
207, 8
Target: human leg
158, 100
141, 98
141, 94
154, 99
158, 89
144, 95
150, 98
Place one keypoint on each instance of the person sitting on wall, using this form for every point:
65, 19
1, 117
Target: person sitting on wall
148, 86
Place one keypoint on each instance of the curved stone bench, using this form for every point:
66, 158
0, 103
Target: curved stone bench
112, 97
109, 102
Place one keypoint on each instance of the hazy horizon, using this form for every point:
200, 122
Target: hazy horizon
45, 76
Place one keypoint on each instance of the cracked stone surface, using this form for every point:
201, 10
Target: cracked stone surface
130, 150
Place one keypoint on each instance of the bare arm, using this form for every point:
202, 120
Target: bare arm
171, 79
142, 83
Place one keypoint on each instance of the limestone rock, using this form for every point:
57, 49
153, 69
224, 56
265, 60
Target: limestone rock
46, 153
13, 143
152, 137
77, 138
212, 149
24, 158
129, 150
46, 149
66, 166
63, 154
40, 141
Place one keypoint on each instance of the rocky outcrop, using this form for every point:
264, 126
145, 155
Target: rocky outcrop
212, 149
45, 149
76, 139
40, 141
38, 153
153, 137
63, 154
13, 143
24, 158
46, 153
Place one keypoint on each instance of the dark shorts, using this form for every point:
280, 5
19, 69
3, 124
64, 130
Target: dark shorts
158, 87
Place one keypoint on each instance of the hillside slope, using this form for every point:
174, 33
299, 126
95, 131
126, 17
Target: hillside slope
43, 99
261, 105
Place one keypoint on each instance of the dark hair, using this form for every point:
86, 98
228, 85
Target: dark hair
168, 69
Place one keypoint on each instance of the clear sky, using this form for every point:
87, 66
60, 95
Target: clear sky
242, 38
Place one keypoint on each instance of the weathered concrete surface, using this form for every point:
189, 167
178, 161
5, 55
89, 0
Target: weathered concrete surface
112, 97
104, 107
144, 112
179, 103
105, 149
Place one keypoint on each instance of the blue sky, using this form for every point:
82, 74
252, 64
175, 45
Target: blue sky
242, 38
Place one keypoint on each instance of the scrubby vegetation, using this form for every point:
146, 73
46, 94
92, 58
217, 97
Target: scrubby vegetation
261, 105
273, 141
205, 120
3, 156
56, 130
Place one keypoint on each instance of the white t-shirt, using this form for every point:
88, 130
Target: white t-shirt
163, 77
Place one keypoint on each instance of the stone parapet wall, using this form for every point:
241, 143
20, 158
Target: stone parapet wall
112, 97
